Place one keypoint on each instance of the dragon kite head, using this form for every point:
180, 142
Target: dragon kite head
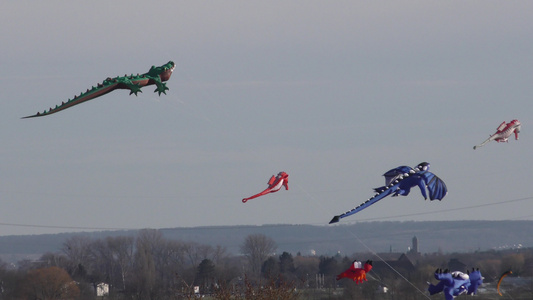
164, 72
283, 175
516, 125
424, 166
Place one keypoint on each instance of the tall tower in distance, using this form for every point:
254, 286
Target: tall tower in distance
414, 248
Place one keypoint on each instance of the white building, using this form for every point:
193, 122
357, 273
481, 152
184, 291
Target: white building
102, 289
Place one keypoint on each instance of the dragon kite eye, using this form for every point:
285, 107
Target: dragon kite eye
423, 166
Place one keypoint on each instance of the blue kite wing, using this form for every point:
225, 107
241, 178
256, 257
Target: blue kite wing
436, 186
386, 191
394, 174
476, 280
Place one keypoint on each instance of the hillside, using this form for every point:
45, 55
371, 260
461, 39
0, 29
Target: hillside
443, 236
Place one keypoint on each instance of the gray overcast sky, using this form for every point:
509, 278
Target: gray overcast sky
335, 93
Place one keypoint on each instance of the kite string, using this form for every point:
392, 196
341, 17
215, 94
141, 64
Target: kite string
195, 112
386, 263
455, 209
205, 94
322, 208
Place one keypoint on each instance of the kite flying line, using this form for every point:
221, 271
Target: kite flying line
450, 209
299, 186
63, 227
366, 246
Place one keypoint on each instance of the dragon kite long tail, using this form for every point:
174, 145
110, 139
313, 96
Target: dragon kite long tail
491, 138
134, 83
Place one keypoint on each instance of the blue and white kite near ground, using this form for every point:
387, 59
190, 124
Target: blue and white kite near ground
456, 283
399, 181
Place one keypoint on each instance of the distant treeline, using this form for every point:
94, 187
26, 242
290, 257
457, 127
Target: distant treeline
383, 236
149, 265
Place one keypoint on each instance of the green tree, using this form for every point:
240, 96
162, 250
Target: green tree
270, 268
206, 274
286, 263
328, 266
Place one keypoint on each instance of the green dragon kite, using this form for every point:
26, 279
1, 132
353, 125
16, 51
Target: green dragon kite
134, 83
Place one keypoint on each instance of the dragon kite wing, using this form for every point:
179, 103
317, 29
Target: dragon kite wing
274, 184
444, 286
436, 187
394, 174
476, 280
500, 280
400, 180
134, 83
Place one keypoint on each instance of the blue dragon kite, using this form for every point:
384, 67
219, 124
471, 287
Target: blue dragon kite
399, 181
155, 76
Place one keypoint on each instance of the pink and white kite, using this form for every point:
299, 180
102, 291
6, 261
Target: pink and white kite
504, 131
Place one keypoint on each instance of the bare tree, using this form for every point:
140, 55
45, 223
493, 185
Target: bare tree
78, 253
147, 244
257, 248
49, 283
101, 261
196, 252
273, 289
219, 254
121, 249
